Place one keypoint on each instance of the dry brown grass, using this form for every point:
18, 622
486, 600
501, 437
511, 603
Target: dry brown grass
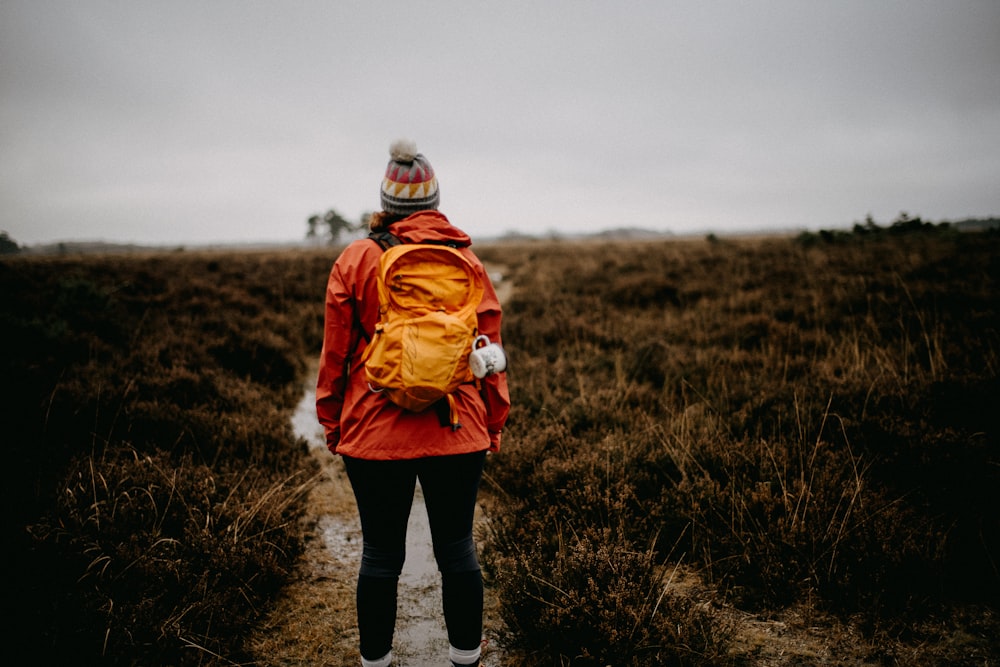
760, 452
152, 510
313, 622
806, 424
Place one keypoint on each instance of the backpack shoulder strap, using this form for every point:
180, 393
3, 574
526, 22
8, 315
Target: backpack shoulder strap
385, 240
448, 244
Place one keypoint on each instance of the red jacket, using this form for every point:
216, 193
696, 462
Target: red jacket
364, 424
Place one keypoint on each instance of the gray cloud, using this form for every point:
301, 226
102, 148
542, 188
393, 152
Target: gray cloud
197, 122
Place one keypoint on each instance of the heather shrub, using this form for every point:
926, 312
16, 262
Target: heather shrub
166, 556
589, 599
154, 505
803, 424
700, 429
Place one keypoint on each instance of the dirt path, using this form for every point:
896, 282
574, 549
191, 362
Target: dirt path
314, 623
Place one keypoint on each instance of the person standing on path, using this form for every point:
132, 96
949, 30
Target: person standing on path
385, 448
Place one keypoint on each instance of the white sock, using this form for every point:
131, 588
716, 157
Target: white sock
384, 661
460, 657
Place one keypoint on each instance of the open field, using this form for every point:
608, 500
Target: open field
755, 452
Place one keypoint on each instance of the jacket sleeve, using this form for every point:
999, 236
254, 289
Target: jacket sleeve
339, 340
493, 389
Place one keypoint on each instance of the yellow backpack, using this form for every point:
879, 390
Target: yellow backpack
428, 298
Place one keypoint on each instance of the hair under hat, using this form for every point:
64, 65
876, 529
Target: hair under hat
409, 184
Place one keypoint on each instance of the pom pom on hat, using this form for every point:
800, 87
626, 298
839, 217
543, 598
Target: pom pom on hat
409, 184
403, 150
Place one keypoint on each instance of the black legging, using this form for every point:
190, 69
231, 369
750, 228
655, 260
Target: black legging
384, 492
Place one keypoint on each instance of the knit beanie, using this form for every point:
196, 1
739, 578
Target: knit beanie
409, 184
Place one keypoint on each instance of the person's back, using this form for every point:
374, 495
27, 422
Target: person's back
386, 448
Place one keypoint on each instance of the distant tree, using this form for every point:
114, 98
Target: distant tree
331, 225
7, 245
337, 225
905, 224
313, 223
869, 226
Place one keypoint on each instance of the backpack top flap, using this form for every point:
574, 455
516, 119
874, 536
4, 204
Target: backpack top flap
420, 279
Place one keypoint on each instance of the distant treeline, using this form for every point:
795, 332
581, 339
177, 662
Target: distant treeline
339, 229
903, 224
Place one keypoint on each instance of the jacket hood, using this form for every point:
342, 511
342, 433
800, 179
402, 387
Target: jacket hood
429, 226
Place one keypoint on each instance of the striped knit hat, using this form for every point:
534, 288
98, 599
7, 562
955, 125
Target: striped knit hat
409, 184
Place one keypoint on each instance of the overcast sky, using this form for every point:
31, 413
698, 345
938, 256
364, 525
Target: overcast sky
232, 120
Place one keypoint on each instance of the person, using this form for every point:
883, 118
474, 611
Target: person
386, 449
